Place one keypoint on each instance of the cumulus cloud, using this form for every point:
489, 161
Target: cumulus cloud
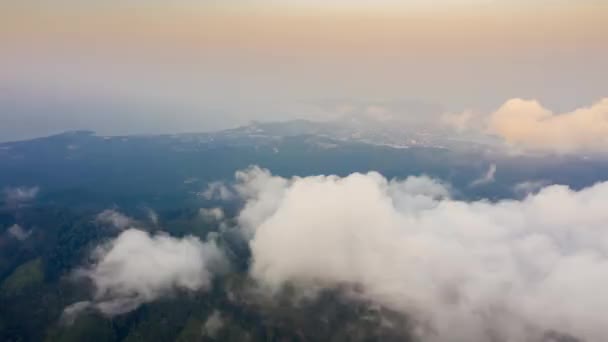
528, 270
18, 232
115, 219
527, 125
487, 177
262, 193
137, 268
19, 195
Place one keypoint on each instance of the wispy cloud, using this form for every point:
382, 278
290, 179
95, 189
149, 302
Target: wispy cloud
15, 196
18, 232
217, 191
487, 178
529, 187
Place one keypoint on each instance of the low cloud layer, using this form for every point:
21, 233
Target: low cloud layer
529, 270
137, 268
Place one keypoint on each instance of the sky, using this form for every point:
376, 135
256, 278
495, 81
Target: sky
124, 67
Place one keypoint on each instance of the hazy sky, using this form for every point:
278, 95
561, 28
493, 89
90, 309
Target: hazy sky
171, 66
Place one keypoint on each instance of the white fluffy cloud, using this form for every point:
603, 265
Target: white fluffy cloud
137, 267
263, 193
480, 271
529, 124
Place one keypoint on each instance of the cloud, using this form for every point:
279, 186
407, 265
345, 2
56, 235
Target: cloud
528, 187
460, 122
528, 270
217, 190
487, 177
18, 195
262, 193
115, 219
152, 216
70, 313
212, 214
137, 268
18, 232
527, 124
213, 324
